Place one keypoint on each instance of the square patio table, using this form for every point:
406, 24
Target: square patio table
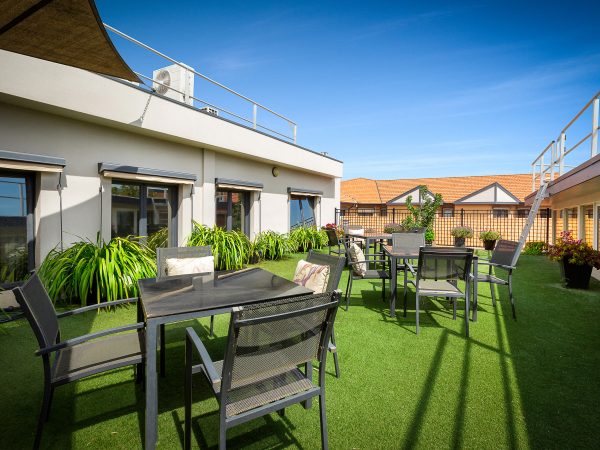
370, 237
187, 297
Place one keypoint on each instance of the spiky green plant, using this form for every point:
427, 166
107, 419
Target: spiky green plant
15, 268
304, 238
271, 245
158, 239
102, 271
231, 249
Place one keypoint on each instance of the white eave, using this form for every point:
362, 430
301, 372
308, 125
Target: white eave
83, 95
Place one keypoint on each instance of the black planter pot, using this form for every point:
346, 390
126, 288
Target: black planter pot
489, 245
576, 276
459, 241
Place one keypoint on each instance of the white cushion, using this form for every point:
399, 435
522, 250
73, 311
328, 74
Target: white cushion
312, 276
186, 266
356, 254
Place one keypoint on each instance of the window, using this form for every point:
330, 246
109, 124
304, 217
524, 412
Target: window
522, 213
233, 211
500, 213
143, 210
302, 211
16, 226
365, 211
448, 212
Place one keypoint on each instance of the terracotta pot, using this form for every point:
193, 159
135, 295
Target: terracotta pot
459, 241
489, 245
576, 276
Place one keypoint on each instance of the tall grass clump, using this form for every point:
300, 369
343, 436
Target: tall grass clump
231, 249
271, 245
303, 239
97, 271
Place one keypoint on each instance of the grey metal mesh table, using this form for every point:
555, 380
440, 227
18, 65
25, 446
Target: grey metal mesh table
189, 297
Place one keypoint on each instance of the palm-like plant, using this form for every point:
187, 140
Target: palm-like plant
271, 245
231, 249
304, 238
99, 270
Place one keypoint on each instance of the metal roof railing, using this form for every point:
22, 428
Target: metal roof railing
551, 161
251, 121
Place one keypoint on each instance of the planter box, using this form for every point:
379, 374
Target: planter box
576, 276
459, 242
489, 245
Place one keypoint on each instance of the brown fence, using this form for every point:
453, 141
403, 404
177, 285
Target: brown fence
510, 226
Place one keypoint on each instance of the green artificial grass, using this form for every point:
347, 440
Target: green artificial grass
531, 383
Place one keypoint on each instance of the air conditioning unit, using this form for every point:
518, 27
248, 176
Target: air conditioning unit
175, 82
210, 110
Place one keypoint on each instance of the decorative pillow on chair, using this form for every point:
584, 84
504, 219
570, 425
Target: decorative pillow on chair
312, 276
186, 266
356, 254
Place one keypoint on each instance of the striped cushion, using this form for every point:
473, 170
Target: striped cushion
312, 276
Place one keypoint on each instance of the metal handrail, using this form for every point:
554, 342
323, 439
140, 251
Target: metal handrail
558, 151
254, 103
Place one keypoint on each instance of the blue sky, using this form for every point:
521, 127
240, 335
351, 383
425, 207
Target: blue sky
394, 89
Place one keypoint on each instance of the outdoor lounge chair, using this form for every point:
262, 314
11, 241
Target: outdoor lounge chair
260, 373
503, 257
438, 273
78, 357
336, 268
162, 254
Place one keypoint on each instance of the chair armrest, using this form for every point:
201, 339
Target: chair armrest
410, 268
88, 337
368, 261
485, 262
207, 362
98, 306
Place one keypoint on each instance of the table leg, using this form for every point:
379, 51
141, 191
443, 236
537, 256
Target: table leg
475, 273
151, 387
393, 267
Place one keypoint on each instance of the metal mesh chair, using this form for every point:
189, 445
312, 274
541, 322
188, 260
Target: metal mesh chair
438, 273
335, 241
377, 272
162, 254
336, 268
268, 344
407, 243
78, 357
503, 257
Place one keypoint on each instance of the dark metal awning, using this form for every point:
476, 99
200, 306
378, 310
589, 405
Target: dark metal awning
68, 32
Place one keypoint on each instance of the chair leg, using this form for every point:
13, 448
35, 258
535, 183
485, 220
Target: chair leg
187, 433
348, 290
492, 290
163, 349
308, 371
467, 301
335, 355
212, 326
512, 298
417, 311
222, 436
50, 403
383, 291
324, 444
405, 292
453, 308
43, 415
281, 412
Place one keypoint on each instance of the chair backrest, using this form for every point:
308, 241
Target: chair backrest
272, 338
444, 263
336, 267
504, 253
408, 242
39, 310
332, 236
164, 253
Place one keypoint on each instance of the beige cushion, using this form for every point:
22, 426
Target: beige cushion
312, 276
186, 266
356, 254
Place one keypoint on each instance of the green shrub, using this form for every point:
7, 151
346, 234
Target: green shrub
99, 270
231, 249
429, 235
271, 245
304, 238
489, 235
158, 239
462, 232
16, 266
393, 228
535, 248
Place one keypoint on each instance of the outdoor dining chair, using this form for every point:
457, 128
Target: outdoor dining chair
407, 243
358, 265
78, 357
162, 255
335, 243
503, 257
336, 268
268, 361
438, 273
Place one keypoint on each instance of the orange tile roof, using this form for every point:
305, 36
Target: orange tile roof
367, 191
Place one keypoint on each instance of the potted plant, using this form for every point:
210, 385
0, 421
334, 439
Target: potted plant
460, 234
577, 258
429, 237
489, 238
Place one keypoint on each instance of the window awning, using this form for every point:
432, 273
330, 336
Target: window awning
67, 32
125, 172
305, 192
238, 185
30, 162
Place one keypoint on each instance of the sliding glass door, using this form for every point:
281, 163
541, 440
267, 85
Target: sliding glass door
233, 211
